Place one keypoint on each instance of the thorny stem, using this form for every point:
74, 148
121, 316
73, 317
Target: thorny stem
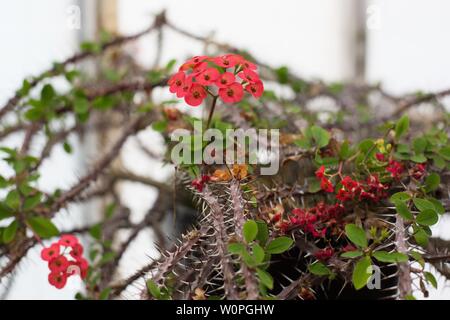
211, 111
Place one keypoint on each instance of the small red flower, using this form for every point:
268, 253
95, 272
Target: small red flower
225, 80
380, 157
249, 76
58, 264
232, 93
248, 65
228, 60
57, 279
320, 173
195, 96
418, 171
191, 63
68, 240
51, 252
199, 183
395, 168
77, 251
176, 82
326, 185
184, 89
208, 77
349, 247
324, 254
255, 89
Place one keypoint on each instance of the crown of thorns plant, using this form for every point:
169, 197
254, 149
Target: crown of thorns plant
355, 193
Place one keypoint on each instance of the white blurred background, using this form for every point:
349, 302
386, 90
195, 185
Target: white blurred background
404, 47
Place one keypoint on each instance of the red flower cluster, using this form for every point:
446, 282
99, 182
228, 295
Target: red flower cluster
199, 183
195, 78
316, 220
325, 184
66, 263
371, 189
324, 254
395, 168
418, 171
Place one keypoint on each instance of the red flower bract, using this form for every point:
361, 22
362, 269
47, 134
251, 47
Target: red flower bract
232, 93
255, 89
51, 252
176, 82
191, 63
58, 264
320, 173
249, 76
208, 77
324, 254
68, 240
57, 279
195, 96
227, 60
225, 80
77, 251
326, 185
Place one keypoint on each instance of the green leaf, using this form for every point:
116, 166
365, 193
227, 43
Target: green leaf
153, 289
263, 232
389, 257
96, 231
418, 158
401, 127
320, 136
160, 126
437, 205
418, 257
344, 151
427, 217
432, 182
47, 94
236, 247
13, 199
32, 202
445, 152
356, 235
431, 279
43, 227
279, 245
352, 254
10, 232
420, 236
319, 269
399, 196
250, 230
265, 278
402, 210
419, 145
81, 105
283, 75
104, 295
258, 253
5, 211
423, 204
67, 147
362, 273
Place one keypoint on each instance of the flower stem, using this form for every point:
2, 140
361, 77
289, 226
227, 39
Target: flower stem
211, 111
